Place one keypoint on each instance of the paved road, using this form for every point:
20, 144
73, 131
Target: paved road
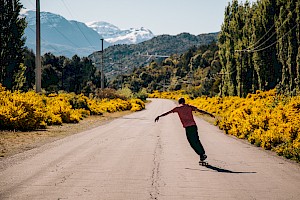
134, 158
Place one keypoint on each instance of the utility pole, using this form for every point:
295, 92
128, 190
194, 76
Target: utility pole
38, 68
102, 66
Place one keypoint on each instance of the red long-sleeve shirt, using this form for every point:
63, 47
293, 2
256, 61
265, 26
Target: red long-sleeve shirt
185, 113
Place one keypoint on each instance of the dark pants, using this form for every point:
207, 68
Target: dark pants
193, 138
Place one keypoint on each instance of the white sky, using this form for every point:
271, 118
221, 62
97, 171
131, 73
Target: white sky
160, 16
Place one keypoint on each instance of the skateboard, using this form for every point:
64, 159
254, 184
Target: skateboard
203, 163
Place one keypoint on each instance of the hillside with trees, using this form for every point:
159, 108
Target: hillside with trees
195, 71
128, 57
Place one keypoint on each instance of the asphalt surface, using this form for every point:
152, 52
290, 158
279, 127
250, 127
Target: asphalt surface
134, 158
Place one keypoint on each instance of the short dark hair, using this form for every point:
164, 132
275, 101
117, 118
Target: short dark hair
181, 100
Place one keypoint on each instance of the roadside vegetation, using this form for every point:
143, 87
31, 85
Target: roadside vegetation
30, 111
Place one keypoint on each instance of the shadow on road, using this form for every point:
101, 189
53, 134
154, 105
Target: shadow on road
225, 170
218, 169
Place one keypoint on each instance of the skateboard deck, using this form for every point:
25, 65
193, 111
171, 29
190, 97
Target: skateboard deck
203, 163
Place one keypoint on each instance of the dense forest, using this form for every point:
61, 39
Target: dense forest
259, 47
59, 73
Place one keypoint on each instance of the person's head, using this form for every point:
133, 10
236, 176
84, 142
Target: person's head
181, 100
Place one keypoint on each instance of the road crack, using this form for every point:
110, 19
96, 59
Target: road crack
155, 177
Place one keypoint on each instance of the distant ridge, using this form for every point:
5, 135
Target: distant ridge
129, 56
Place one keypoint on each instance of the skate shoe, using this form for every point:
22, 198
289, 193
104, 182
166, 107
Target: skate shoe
203, 157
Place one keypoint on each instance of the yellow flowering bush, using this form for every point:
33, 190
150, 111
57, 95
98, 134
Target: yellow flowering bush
137, 105
59, 110
21, 111
169, 95
114, 105
29, 110
265, 119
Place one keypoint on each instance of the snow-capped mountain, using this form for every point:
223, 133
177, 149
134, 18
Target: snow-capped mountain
61, 36
67, 37
105, 29
115, 35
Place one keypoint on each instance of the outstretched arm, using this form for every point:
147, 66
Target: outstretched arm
204, 112
164, 114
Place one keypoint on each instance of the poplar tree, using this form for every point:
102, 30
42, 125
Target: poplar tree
259, 47
292, 45
227, 50
247, 63
297, 80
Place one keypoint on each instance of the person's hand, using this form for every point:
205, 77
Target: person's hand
156, 119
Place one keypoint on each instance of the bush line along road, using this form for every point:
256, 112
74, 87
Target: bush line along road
134, 158
265, 119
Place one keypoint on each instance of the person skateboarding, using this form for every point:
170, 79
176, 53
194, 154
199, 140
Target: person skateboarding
185, 113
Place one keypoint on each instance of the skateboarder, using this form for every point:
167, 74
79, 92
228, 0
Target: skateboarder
186, 117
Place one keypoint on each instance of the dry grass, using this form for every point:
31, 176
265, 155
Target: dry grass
206, 118
12, 142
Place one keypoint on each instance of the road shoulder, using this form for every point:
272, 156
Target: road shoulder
15, 142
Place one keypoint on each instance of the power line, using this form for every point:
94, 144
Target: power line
257, 50
31, 3
227, 73
64, 36
273, 33
251, 46
275, 41
258, 41
77, 25
44, 40
53, 25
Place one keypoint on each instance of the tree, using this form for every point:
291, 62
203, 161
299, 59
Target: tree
50, 78
50, 75
297, 81
29, 62
259, 47
19, 78
227, 42
12, 41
